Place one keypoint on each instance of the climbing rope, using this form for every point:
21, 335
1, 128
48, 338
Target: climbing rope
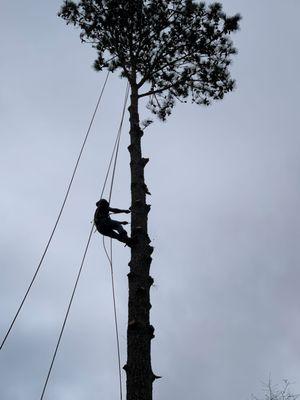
114, 157
110, 257
59, 214
110, 260
118, 142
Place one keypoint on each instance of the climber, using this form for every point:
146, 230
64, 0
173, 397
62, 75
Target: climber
107, 226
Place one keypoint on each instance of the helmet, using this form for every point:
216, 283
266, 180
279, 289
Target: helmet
102, 202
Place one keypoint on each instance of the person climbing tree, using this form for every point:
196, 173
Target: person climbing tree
167, 50
107, 226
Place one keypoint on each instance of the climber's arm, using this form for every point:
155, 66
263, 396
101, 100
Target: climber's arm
118, 211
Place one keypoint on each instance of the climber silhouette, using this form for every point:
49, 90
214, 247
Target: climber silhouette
107, 226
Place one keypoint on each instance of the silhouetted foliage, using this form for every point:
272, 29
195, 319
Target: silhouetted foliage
175, 48
276, 392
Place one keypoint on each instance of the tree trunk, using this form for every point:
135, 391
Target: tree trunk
139, 332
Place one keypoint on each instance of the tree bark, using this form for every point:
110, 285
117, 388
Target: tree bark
139, 332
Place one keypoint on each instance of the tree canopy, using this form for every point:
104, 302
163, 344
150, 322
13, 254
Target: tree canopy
173, 49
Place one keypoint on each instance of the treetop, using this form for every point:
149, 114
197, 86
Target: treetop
167, 49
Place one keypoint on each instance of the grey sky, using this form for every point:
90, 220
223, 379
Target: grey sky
224, 222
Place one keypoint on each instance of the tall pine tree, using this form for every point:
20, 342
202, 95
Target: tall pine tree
168, 50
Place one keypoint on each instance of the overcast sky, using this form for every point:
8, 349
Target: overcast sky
225, 218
